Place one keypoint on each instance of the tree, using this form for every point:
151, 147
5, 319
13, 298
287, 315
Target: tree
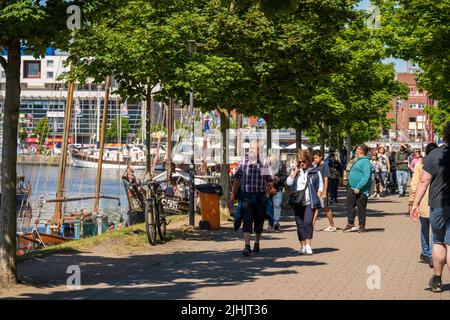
418, 31
42, 129
112, 133
357, 98
34, 26
31, 26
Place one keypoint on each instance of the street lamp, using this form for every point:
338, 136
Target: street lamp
192, 48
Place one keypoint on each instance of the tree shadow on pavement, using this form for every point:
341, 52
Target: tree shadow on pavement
155, 276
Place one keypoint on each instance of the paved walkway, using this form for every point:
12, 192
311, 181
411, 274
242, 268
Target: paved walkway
208, 265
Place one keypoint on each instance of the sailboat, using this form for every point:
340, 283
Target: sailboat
64, 227
113, 158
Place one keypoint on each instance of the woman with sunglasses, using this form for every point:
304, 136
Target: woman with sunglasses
308, 179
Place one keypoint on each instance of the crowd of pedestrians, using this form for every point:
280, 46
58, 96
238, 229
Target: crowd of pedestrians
313, 184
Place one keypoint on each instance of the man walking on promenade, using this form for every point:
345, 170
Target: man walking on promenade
401, 161
253, 176
326, 175
436, 174
359, 184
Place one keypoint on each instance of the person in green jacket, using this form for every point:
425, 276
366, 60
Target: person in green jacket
359, 185
401, 161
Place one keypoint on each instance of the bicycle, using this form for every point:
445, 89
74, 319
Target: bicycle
155, 218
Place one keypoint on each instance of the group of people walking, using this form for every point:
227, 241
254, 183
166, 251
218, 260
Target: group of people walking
313, 182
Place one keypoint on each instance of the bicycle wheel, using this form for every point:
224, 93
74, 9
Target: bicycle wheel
162, 223
150, 222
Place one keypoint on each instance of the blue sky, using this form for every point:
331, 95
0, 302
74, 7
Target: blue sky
400, 65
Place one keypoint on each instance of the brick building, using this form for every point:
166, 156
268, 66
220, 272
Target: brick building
410, 124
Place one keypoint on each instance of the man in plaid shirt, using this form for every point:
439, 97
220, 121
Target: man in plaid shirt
253, 177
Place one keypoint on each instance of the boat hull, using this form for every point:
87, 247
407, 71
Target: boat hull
90, 162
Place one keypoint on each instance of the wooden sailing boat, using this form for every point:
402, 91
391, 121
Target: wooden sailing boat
54, 232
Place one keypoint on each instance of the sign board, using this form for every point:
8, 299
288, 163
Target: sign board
55, 114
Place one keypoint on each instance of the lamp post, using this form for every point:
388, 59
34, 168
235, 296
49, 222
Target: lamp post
192, 48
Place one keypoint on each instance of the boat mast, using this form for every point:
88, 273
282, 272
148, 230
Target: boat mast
102, 143
57, 216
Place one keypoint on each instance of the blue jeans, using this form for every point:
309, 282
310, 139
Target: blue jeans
427, 243
270, 211
440, 225
402, 180
277, 201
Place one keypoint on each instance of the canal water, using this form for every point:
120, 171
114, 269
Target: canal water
79, 182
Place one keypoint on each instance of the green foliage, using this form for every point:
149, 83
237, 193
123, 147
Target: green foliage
419, 31
42, 129
113, 130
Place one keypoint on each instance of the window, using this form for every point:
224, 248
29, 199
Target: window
32, 69
49, 74
2, 75
50, 63
412, 119
416, 105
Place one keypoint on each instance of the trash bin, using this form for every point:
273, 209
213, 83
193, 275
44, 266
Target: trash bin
209, 205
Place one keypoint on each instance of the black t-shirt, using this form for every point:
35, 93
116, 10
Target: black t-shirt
324, 170
437, 163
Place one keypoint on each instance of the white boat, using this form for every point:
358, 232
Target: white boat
113, 158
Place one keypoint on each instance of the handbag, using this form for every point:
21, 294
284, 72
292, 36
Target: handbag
298, 198
272, 190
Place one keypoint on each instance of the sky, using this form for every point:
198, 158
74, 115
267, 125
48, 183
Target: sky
400, 65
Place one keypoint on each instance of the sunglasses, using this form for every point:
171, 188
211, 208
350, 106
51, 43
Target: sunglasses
302, 161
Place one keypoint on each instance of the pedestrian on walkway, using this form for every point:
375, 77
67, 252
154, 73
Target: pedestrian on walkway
401, 161
359, 184
375, 177
417, 157
436, 174
425, 256
254, 178
393, 186
280, 171
335, 175
326, 175
385, 169
306, 187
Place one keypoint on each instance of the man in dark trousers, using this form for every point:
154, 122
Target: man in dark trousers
254, 177
359, 184
436, 175
401, 163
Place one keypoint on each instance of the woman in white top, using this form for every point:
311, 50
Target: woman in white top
305, 177
385, 168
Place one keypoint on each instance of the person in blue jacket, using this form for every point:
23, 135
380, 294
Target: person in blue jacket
359, 185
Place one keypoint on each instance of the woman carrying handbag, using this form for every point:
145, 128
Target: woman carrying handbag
306, 189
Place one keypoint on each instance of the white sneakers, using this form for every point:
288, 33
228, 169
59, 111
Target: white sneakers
330, 229
305, 250
302, 251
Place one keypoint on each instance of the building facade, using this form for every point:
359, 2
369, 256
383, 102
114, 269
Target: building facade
410, 123
43, 94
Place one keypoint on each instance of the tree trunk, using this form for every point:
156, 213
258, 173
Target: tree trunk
238, 149
169, 141
269, 136
8, 272
322, 138
298, 138
148, 123
224, 167
348, 145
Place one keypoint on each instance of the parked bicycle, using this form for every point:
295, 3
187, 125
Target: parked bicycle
148, 204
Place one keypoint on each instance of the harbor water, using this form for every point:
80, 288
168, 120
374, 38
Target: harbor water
79, 182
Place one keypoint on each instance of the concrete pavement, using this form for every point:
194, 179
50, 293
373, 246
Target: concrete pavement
380, 264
